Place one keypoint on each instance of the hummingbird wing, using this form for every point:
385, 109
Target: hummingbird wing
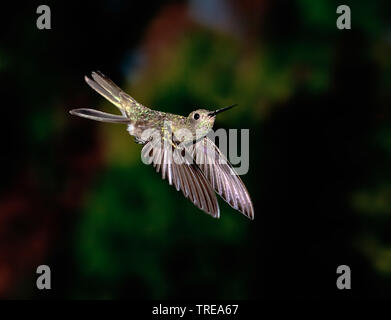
222, 176
183, 173
108, 89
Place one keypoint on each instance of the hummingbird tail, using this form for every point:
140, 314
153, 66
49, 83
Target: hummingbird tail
99, 115
107, 88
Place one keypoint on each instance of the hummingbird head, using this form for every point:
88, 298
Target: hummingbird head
203, 120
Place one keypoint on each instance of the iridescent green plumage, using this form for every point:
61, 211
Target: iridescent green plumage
201, 170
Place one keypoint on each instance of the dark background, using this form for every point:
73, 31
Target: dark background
75, 195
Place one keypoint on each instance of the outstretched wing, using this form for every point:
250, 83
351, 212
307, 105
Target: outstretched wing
108, 89
222, 176
178, 168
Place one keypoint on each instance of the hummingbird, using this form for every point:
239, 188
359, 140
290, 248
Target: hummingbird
202, 171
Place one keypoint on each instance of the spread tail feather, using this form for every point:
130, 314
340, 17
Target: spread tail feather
99, 115
108, 89
105, 87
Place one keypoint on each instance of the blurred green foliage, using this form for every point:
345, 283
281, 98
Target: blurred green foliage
134, 225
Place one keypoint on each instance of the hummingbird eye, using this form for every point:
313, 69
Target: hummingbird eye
196, 116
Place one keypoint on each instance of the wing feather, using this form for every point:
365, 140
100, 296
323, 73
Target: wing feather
222, 177
185, 176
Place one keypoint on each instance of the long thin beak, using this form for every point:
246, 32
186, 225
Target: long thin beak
213, 113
